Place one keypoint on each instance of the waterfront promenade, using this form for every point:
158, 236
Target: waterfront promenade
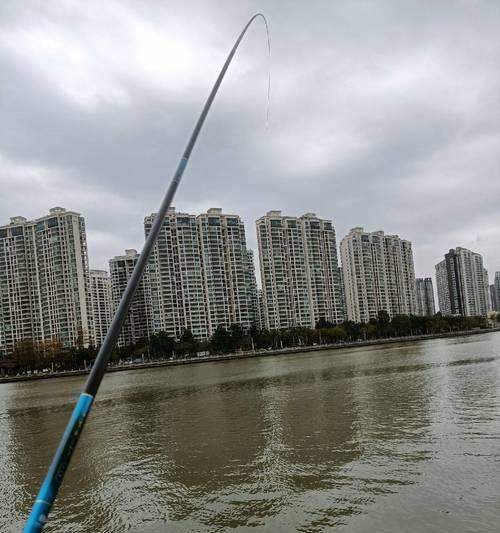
158, 363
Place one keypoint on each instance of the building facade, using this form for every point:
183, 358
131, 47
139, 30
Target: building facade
425, 297
261, 311
176, 277
44, 281
493, 298
342, 292
20, 296
494, 291
201, 274
487, 293
138, 324
100, 295
252, 290
228, 271
462, 283
379, 275
299, 270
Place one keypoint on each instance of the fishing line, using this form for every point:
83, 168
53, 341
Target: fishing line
268, 112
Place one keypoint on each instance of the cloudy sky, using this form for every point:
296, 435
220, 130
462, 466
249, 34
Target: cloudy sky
384, 114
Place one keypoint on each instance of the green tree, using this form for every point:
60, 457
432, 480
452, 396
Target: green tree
438, 324
322, 323
419, 325
221, 341
338, 333
370, 330
263, 339
237, 336
401, 325
26, 353
162, 345
81, 356
187, 344
383, 321
51, 352
353, 330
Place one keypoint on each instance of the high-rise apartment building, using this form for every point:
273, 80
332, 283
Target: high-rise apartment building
493, 298
138, 324
425, 297
462, 283
44, 280
19, 292
261, 312
446, 291
342, 292
378, 275
176, 277
486, 282
252, 290
228, 271
100, 293
299, 270
495, 292
202, 275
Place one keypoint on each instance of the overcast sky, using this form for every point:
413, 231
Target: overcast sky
384, 114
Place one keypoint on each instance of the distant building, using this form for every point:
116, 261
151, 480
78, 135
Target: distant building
261, 313
20, 295
137, 325
486, 282
100, 292
378, 275
228, 271
176, 277
299, 270
493, 298
496, 291
425, 297
342, 292
462, 283
44, 280
252, 290
201, 273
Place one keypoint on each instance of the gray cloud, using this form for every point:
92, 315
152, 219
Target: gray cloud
383, 114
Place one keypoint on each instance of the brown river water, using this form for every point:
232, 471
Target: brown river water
395, 438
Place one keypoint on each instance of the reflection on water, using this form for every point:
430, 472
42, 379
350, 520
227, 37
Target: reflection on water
396, 438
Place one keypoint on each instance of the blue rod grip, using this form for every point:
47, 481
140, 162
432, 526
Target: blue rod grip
48, 491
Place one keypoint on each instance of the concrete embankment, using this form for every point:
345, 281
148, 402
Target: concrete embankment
247, 355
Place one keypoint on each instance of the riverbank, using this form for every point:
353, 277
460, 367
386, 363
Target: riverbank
248, 355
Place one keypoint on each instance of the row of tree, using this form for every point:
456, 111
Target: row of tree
50, 354
31, 355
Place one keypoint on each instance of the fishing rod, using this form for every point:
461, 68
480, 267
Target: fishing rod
50, 486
